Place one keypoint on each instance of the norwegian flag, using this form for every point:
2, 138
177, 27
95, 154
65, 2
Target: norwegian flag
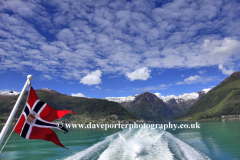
35, 120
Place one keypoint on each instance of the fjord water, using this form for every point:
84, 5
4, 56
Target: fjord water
214, 140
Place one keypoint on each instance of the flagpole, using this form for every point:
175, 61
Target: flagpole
14, 110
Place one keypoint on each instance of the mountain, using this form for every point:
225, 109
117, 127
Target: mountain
224, 99
178, 104
181, 103
85, 107
148, 106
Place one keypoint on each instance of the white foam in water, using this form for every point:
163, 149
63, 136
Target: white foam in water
94, 151
140, 144
195, 138
183, 150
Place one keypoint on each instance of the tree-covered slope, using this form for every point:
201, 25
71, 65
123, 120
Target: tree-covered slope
94, 108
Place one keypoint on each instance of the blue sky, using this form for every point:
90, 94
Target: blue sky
118, 48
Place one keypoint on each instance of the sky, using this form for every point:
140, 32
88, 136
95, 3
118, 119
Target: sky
104, 48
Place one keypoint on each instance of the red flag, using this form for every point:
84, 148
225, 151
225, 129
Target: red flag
35, 120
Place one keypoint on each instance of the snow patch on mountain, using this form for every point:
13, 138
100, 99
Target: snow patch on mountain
187, 97
9, 93
47, 89
121, 99
182, 97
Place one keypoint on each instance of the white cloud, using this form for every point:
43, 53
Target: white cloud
202, 71
139, 74
192, 79
78, 95
118, 37
159, 95
224, 47
67, 36
98, 87
46, 77
8, 92
151, 88
196, 79
224, 70
165, 98
171, 61
93, 78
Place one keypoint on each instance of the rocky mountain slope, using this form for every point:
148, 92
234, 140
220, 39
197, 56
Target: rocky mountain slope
224, 99
178, 104
181, 103
148, 106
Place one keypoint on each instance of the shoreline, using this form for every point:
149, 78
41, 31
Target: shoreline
202, 120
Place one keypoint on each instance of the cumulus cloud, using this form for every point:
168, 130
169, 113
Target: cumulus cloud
224, 70
139, 74
159, 95
78, 95
93, 78
168, 97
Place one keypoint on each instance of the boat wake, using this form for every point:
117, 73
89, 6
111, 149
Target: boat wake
140, 144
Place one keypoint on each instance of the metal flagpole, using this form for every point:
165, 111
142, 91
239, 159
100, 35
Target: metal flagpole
14, 110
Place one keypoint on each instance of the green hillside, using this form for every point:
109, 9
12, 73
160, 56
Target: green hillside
85, 107
224, 99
